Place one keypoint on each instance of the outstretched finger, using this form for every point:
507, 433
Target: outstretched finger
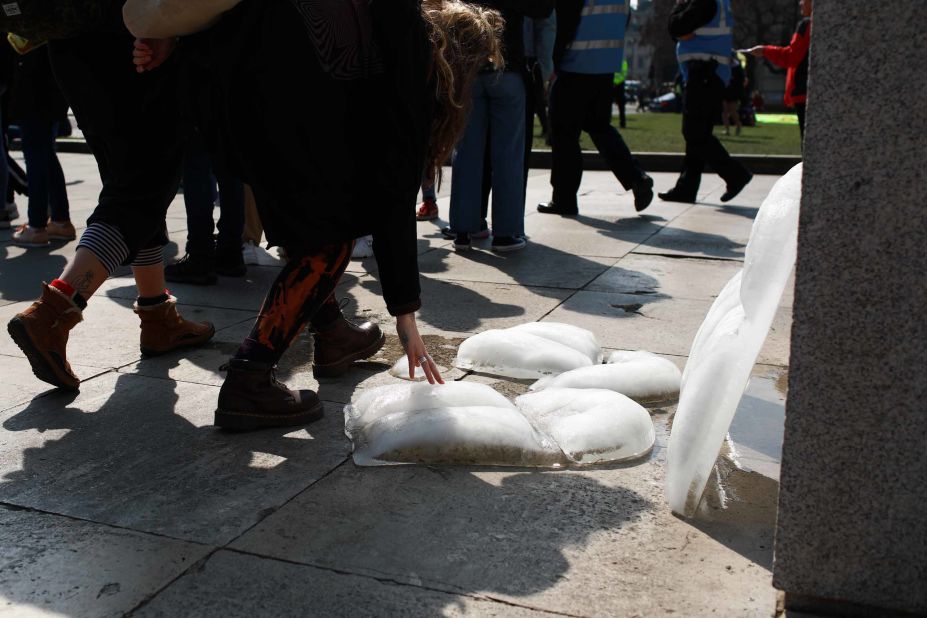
432, 371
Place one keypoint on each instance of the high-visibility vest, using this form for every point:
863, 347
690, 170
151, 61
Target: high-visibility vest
599, 44
713, 41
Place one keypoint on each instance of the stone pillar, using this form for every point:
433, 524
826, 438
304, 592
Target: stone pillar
852, 528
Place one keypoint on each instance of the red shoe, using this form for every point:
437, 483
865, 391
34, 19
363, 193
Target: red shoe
428, 211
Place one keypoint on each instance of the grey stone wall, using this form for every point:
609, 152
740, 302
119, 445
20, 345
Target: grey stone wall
853, 502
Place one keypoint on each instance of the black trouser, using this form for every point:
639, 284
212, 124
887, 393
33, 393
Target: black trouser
621, 100
132, 124
584, 103
702, 99
800, 110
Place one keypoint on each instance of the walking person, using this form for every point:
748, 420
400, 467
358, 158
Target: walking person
540, 37
36, 106
620, 91
589, 51
704, 33
497, 118
794, 58
132, 125
325, 171
8, 210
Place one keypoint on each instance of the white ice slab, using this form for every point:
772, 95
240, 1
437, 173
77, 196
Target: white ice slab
529, 351
640, 375
728, 343
590, 425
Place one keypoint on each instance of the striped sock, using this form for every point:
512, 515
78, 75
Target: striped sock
148, 257
107, 244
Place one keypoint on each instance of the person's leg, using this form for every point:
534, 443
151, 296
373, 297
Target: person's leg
697, 123
714, 152
253, 230
567, 98
199, 187
58, 203
622, 104
726, 116
300, 290
37, 154
507, 127
467, 178
229, 259
607, 139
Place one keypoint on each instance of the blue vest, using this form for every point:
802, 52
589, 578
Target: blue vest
599, 44
713, 41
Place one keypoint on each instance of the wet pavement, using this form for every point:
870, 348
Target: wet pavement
123, 499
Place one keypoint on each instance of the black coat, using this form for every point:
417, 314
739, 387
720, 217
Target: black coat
34, 93
514, 13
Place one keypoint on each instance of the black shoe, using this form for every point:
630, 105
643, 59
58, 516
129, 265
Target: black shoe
231, 263
504, 244
462, 241
484, 232
675, 195
550, 208
192, 268
643, 192
733, 188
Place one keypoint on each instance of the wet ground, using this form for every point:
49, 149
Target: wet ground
123, 499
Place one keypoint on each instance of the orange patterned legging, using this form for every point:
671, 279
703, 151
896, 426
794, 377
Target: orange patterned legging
305, 286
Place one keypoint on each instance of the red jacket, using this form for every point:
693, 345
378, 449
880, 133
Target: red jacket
793, 57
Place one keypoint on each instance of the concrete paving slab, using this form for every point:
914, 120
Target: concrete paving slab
644, 275
20, 386
537, 266
595, 542
234, 584
659, 325
51, 565
142, 453
108, 336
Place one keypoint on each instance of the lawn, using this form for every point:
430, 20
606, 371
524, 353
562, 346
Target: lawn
648, 132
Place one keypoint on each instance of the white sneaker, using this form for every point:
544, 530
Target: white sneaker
256, 255
363, 248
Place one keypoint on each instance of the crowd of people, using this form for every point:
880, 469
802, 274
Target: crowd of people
264, 105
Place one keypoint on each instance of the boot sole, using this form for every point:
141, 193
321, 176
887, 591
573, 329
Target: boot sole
41, 367
190, 343
334, 370
250, 421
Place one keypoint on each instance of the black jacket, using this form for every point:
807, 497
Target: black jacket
691, 15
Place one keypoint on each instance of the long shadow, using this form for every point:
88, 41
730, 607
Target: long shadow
21, 276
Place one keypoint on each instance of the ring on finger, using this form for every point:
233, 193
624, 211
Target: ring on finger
423, 359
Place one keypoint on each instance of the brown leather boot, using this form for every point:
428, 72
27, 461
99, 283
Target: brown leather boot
342, 343
41, 332
252, 398
163, 330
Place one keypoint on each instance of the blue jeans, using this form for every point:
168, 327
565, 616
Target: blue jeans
199, 195
499, 113
47, 191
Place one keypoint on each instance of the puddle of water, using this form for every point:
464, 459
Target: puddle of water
757, 429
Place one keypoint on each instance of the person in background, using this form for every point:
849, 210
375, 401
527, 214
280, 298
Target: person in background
794, 58
497, 117
733, 96
621, 95
428, 209
36, 106
252, 252
209, 255
9, 212
588, 53
540, 37
704, 30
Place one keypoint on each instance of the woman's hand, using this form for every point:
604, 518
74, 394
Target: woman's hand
415, 349
756, 51
149, 54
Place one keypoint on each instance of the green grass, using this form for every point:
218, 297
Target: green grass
650, 132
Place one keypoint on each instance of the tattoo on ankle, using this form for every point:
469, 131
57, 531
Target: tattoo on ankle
83, 283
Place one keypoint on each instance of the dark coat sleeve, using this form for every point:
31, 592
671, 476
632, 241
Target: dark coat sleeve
689, 16
569, 13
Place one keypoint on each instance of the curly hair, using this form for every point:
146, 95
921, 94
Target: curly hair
465, 37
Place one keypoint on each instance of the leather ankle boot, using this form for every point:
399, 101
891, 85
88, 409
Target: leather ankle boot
164, 330
340, 344
41, 332
252, 398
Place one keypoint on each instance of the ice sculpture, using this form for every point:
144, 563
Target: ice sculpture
728, 343
640, 375
457, 423
529, 351
590, 425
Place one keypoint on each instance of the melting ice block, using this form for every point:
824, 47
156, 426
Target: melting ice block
590, 425
642, 376
400, 369
529, 350
455, 423
727, 344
